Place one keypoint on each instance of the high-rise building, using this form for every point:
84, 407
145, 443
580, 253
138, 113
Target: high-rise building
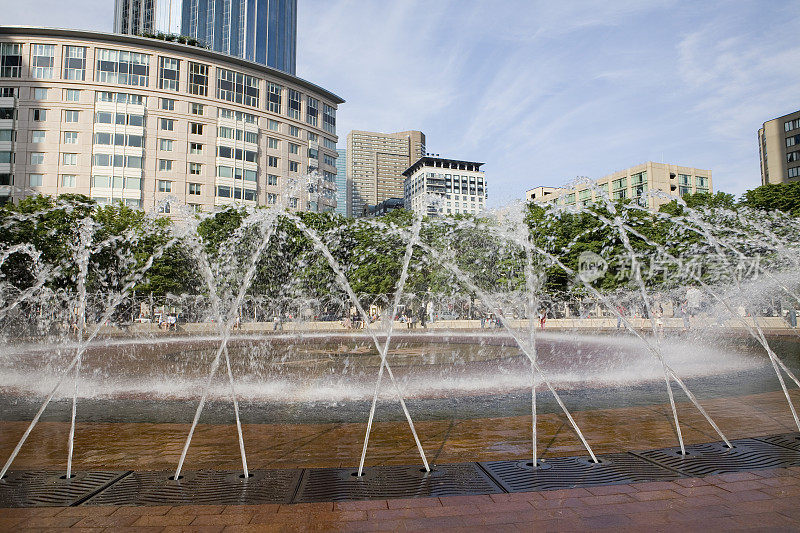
341, 182
263, 31
779, 149
630, 184
158, 124
135, 17
375, 165
460, 186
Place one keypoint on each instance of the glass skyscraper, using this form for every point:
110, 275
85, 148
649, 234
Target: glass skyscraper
341, 182
263, 31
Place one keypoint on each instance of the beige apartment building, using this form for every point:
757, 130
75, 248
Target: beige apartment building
779, 149
632, 183
375, 166
153, 124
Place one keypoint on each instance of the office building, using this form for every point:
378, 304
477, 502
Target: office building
262, 31
341, 182
632, 183
140, 121
779, 149
458, 187
375, 165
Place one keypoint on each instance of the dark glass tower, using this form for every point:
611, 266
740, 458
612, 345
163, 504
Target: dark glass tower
264, 31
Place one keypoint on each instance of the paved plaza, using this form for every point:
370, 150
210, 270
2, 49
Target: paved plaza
764, 499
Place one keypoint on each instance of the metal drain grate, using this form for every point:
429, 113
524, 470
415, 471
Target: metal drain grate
386, 482
789, 440
201, 487
571, 472
716, 458
37, 488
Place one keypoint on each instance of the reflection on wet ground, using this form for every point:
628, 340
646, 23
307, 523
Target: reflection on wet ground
304, 402
157, 446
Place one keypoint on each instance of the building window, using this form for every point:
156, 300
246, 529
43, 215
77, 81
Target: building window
68, 180
223, 191
37, 158
6, 179
791, 157
791, 124
293, 202
168, 104
164, 186
237, 87
72, 95
164, 208
74, 63
195, 189
6, 157
196, 109
312, 110
167, 124
330, 144
9, 113
794, 172
330, 161
40, 94
195, 168
164, 165
701, 182
294, 166
272, 161
10, 60
294, 148
272, 198
70, 137
168, 73
329, 118
35, 180
71, 115
274, 101
272, 179
69, 159
123, 68
165, 145
42, 61
273, 143
195, 148
8, 92
274, 125
198, 79
313, 136
294, 131
37, 136
294, 104
196, 129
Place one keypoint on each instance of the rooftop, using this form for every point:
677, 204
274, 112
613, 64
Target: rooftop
173, 46
429, 161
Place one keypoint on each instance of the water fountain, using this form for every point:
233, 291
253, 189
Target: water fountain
263, 280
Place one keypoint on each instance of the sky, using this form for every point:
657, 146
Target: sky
542, 91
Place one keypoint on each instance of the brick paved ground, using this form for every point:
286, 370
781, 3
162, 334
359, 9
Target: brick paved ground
756, 500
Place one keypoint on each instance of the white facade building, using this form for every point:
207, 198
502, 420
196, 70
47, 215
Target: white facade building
460, 186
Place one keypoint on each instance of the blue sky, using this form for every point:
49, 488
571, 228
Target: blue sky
543, 92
